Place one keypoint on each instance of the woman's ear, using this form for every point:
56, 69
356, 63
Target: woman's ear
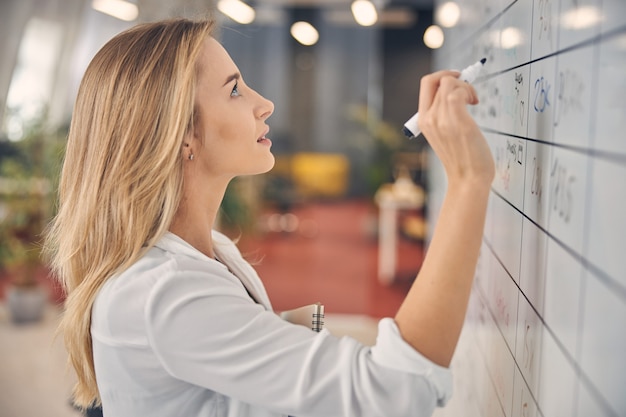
192, 139
187, 150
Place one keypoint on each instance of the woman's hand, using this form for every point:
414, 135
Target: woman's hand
451, 130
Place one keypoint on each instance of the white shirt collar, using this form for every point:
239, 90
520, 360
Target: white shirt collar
229, 259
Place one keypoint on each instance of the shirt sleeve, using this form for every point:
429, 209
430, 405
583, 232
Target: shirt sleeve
206, 330
393, 352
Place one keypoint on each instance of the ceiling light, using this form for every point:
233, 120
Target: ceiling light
433, 37
511, 38
237, 10
364, 12
120, 9
448, 14
581, 17
305, 33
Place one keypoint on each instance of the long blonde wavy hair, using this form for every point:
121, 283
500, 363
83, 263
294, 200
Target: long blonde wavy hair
122, 175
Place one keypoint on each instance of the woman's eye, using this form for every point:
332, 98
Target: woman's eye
235, 90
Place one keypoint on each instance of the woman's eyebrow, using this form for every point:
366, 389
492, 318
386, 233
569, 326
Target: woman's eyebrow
234, 76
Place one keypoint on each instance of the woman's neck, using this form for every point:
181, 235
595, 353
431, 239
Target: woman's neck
195, 219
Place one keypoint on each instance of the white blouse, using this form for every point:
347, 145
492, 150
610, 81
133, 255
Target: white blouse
178, 334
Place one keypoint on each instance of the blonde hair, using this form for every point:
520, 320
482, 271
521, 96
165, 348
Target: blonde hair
122, 175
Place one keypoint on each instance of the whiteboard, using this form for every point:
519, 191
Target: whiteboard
545, 333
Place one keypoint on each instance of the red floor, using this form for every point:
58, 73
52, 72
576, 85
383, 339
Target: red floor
337, 266
331, 258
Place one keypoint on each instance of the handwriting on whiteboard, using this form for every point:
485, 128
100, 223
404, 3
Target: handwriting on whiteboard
528, 407
514, 104
536, 187
545, 19
528, 356
502, 309
542, 92
570, 89
562, 199
506, 158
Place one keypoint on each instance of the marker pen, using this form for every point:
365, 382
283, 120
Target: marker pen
469, 74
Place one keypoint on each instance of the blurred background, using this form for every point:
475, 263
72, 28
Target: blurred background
341, 217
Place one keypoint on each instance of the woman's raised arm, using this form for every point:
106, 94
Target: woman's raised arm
432, 315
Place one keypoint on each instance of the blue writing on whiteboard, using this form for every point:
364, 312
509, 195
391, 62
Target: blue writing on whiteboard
542, 90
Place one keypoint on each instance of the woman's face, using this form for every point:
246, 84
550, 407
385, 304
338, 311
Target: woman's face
232, 130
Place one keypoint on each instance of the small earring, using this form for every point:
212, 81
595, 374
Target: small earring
191, 157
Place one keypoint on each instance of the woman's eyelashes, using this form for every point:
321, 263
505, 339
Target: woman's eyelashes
235, 91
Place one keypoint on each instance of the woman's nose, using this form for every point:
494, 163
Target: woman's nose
265, 107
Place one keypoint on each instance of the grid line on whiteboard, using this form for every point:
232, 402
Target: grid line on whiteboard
601, 37
483, 298
609, 281
610, 156
566, 354
486, 26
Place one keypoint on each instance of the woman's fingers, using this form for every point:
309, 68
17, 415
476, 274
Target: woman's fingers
454, 91
451, 92
429, 85
442, 91
450, 129
457, 101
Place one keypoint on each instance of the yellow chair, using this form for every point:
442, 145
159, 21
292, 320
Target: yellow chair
320, 174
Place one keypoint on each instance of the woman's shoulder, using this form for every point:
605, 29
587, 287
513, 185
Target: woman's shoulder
171, 258
169, 267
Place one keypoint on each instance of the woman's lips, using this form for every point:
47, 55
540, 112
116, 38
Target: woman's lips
263, 139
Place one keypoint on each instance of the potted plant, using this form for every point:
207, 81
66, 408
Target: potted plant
20, 255
24, 210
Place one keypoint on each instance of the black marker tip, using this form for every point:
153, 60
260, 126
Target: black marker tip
407, 133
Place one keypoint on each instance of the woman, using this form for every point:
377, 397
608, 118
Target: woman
163, 315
